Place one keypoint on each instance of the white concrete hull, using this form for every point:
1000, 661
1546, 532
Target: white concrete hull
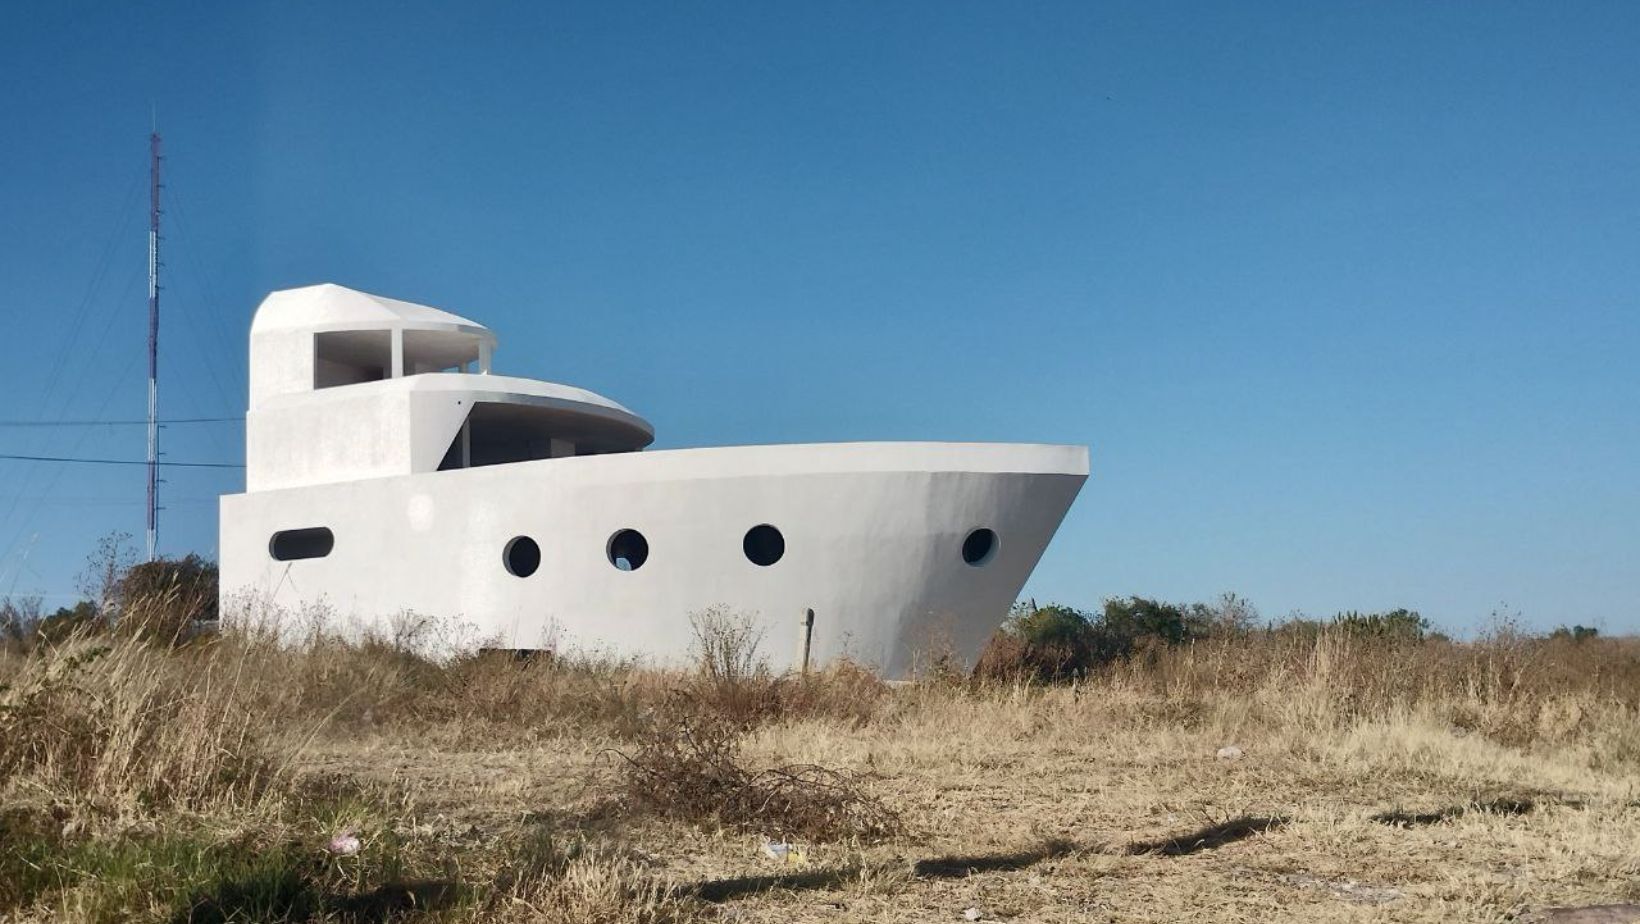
873, 536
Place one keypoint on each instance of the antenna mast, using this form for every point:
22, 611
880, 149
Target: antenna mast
153, 343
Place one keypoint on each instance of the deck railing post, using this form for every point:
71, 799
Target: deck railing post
808, 636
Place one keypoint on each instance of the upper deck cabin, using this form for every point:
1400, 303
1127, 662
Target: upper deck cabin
347, 385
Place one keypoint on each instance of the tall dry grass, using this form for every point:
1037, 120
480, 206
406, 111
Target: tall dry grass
124, 727
134, 721
201, 740
1517, 690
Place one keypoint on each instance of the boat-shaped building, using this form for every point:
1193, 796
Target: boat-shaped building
389, 471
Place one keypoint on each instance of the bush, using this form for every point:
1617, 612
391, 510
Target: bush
1055, 643
688, 761
729, 674
113, 723
1139, 622
67, 622
167, 599
23, 628
1397, 625
1043, 644
734, 681
689, 765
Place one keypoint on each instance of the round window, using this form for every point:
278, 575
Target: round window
979, 547
521, 556
628, 550
764, 545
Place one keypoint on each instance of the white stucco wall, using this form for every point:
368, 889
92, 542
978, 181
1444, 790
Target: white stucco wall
397, 426
873, 531
873, 535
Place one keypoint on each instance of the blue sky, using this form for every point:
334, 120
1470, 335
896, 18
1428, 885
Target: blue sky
1344, 297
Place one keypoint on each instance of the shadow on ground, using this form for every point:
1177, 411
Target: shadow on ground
946, 867
1404, 819
1211, 837
282, 898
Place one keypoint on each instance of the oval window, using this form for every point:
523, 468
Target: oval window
979, 547
628, 550
521, 557
764, 545
297, 544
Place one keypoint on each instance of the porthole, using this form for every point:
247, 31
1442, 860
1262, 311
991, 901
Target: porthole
764, 545
521, 556
628, 550
297, 544
979, 547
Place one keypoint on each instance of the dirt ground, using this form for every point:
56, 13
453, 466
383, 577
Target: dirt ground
1267, 777
1057, 808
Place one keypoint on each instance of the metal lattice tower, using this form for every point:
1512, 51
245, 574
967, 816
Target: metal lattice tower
153, 344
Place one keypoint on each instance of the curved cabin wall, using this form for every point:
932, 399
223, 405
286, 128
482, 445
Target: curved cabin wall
327, 335
499, 432
366, 430
337, 434
415, 424
346, 386
281, 363
625, 546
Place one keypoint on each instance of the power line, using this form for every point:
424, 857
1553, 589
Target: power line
117, 423
122, 219
29, 513
83, 501
21, 458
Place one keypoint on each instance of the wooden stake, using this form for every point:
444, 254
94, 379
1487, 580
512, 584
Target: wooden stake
808, 636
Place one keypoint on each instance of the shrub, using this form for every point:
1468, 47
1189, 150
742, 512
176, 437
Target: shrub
725, 647
842, 691
689, 765
80, 619
23, 627
1397, 625
688, 761
1044, 644
166, 599
731, 678
1127, 624
1230, 616
1054, 643
18, 619
729, 674
117, 725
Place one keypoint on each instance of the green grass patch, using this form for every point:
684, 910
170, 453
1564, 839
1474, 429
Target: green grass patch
185, 876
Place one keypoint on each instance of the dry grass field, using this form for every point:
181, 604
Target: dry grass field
1259, 778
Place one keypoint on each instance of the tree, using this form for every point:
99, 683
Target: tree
1041, 643
68, 620
167, 598
24, 625
1398, 624
1229, 616
104, 568
19, 618
1129, 622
